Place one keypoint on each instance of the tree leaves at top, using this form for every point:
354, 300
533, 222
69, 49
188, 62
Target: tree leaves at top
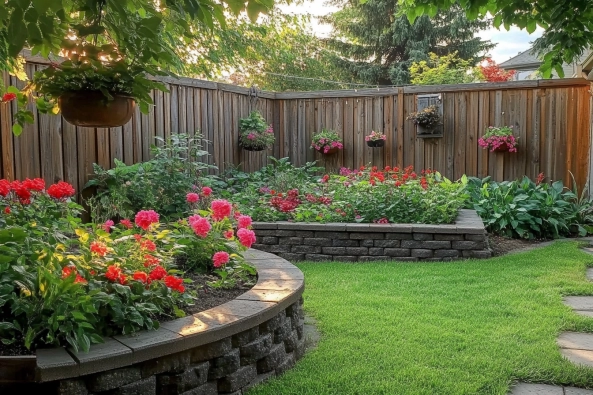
568, 24
378, 45
144, 31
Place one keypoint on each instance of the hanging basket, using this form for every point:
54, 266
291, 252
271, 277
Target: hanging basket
252, 148
376, 143
92, 109
330, 152
502, 148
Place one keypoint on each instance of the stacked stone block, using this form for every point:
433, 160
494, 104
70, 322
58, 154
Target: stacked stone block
467, 238
228, 366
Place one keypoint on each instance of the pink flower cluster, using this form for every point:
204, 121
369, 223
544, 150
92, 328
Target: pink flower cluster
374, 136
325, 145
270, 130
145, 218
494, 143
251, 136
200, 225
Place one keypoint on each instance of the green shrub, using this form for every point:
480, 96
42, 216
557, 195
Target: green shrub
160, 184
530, 210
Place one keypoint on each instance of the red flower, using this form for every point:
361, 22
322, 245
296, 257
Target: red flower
206, 191
37, 184
157, 273
220, 209
540, 178
7, 210
99, 248
61, 190
107, 225
141, 276
220, 258
127, 223
325, 179
138, 238
175, 283
145, 218
229, 234
192, 197
244, 221
123, 280
150, 260
21, 191
246, 237
4, 187
8, 97
113, 273
148, 245
200, 225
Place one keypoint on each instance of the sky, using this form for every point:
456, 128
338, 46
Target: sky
509, 43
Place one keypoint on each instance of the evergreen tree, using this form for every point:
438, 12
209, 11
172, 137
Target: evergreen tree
377, 46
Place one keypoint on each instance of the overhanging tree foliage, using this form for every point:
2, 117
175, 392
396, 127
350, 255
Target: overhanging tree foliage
377, 45
568, 24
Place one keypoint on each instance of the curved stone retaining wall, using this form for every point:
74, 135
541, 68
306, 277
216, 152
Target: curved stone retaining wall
353, 242
224, 350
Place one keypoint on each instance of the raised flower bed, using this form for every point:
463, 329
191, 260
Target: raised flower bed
357, 242
221, 350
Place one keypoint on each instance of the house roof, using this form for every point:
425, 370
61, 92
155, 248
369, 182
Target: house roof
526, 60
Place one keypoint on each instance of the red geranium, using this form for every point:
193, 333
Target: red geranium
113, 273
175, 283
150, 260
220, 258
157, 273
61, 190
246, 237
127, 223
148, 245
141, 276
220, 209
99, 248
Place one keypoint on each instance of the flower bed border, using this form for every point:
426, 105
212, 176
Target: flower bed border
357, 242
224, 349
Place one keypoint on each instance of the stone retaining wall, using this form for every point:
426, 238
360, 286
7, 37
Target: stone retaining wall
224, 350
353, 242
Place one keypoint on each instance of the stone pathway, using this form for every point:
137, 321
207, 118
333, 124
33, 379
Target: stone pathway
574, 346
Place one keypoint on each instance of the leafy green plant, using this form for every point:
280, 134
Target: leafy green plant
530, 210
428, 117
161, 183
254, 133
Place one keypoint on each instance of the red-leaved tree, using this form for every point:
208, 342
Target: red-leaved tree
492, 72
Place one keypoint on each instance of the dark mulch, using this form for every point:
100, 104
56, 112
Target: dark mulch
502, 245
15, 349
208, 297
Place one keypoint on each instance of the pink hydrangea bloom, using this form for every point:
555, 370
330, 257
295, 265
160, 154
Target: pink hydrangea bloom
220, 258
192, 197
145, 218
246, 237
107, 225
220, 209
244, 221
200, 225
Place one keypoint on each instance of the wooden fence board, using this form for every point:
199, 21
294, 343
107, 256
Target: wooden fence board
552, 120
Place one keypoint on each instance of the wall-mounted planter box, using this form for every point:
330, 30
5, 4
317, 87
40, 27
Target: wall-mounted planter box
424, 101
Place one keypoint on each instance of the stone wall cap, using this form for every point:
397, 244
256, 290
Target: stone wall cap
279, 285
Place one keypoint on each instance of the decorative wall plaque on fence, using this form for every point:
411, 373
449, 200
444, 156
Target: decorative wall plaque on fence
429, 102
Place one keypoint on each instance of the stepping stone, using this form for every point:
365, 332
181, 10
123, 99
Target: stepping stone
577, 391
590, 273
536, 389
579, 302
578, 357
576, 341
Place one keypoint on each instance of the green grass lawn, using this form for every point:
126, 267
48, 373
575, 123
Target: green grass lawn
469, 327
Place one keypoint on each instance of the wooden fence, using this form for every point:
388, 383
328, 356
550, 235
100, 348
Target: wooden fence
552, 119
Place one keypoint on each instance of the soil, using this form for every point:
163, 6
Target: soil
207, 297
502, 245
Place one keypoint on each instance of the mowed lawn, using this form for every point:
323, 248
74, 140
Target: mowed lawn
470, 327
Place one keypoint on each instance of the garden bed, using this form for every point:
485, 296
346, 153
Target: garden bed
354, 242
221, 350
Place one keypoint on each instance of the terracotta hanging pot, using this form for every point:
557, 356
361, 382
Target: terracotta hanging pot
376, 143
92, 109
